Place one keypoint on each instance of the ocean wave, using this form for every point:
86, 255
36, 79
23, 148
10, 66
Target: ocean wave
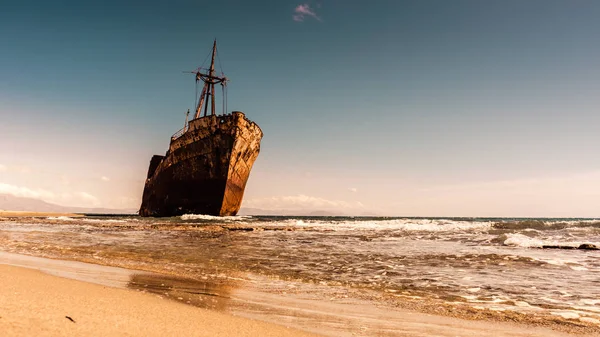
215, 218
546, 224
520, 240
411, 225
104, 220
62, 218
83, 219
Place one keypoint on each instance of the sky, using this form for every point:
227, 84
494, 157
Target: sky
406, 108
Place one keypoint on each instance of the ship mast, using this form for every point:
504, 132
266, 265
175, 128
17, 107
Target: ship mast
209, 79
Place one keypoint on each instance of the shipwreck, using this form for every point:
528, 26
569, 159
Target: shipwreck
209, 160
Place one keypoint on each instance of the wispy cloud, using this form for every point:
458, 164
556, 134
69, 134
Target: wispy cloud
2, 168
304, 10
20, 191
65, 199
104, 178
353, 189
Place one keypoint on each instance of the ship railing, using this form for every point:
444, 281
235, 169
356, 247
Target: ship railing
178, 133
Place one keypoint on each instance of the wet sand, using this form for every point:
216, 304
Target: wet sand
129, 302
35, 304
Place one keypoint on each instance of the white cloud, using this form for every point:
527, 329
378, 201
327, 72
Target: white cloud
64, 199
353, 189
20, 191
104, 178
304, 10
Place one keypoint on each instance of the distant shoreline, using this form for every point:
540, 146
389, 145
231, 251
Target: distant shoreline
18, 214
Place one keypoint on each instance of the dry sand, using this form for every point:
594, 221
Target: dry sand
36, 304
13, 214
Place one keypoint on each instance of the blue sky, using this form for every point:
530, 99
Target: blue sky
466, 108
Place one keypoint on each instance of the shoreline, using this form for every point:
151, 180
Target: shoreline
318, 315
36, 303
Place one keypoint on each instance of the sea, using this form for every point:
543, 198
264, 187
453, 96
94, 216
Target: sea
505, 269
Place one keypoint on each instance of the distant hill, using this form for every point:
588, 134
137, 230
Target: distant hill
13, 203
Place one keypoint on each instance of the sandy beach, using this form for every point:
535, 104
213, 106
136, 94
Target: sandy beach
37, 304
34, 303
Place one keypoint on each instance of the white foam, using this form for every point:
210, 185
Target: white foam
82, 219
520, 240
212, 217
594, 309
566, 314
590, 320
411, 225
522, 304
62, 218
104, 220
548, 299
572, 222
587, 301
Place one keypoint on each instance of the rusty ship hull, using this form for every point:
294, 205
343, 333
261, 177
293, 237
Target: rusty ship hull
205, 169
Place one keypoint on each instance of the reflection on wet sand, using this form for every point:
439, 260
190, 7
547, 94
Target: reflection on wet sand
81, 271
206, 294
211, 293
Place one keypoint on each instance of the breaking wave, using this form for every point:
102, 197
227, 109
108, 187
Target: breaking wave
215, 218
84, 219
105, 220
544, 224
61, 218
520, 240
411, 225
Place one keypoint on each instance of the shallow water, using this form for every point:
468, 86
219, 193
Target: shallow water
477, 264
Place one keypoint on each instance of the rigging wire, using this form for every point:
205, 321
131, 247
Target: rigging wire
196, 101
223, 84
198, 69
206, 58
220, 62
